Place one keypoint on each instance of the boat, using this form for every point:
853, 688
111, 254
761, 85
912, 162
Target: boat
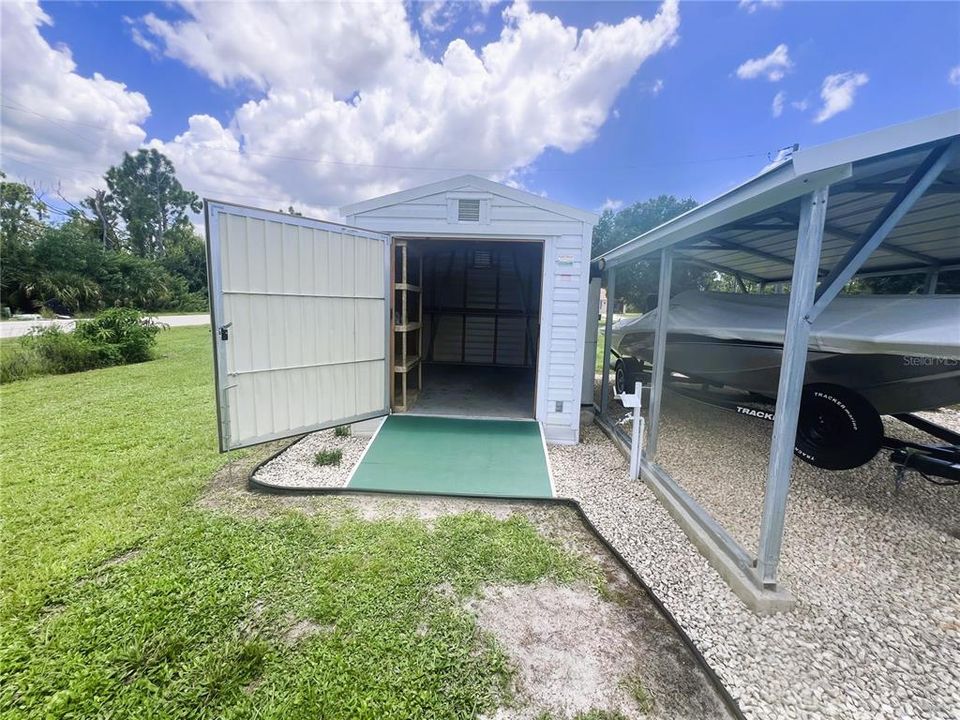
868, 355
901, 353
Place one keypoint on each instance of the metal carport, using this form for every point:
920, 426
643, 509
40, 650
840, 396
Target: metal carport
883, 203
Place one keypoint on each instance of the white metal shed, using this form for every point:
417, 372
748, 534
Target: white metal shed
462, 297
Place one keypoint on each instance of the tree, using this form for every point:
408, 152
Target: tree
21, 212
637, 281
104, 219
186, 257
143, 191
21, 224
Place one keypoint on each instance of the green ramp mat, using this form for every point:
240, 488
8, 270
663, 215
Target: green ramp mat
453, 456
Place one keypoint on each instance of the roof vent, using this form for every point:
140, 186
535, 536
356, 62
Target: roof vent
468, 210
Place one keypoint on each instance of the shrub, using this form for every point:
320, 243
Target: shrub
114, 337
130, 334
18, 362
328, 457
63, 352
342, 431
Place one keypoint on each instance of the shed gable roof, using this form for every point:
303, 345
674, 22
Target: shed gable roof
467, 183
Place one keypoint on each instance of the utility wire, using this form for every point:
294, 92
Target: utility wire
36, 163
426, 168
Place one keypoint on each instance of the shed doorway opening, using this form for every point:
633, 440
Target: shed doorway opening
466, 327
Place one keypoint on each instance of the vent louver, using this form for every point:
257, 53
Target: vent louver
468, 210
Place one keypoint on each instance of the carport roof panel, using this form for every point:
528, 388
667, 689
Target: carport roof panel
751, 230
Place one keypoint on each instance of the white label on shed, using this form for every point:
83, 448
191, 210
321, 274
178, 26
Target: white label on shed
565, 259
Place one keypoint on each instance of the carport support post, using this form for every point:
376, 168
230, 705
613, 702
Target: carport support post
607, 341
659, 351
806, 262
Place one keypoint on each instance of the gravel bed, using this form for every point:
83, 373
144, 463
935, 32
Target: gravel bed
294, 467
876, 630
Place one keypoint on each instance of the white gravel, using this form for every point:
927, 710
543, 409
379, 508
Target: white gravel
876, 630
295, 467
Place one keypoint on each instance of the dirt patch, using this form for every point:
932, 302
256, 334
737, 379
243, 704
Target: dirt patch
303, 629
571, 650
120, 559
575, 652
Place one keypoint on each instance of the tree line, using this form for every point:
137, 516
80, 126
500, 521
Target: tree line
129, 245
133, 245
637, 282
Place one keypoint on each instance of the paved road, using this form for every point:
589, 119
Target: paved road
16, 328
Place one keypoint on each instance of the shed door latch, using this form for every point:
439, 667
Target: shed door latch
224, 334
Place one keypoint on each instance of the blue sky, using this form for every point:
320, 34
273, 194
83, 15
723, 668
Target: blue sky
656, 108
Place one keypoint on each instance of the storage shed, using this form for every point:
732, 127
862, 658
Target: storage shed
463, 297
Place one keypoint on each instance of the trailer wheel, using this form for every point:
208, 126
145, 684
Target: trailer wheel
838, 429
627, 373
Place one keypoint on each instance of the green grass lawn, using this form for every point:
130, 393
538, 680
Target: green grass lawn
212, 615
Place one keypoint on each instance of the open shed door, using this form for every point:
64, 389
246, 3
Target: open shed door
300, 317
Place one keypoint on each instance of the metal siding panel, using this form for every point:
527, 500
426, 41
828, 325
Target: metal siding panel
278, 276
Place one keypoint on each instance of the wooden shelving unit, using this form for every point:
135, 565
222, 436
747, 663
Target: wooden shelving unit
407, 327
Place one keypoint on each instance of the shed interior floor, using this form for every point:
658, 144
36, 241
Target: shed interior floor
476, 391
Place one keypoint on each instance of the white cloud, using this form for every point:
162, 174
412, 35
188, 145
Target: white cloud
62, 125
773, 66
438, 15
838, 92
340, 47
800, 105
657, 87
610, 204
364, 112
954, 76
353, 118
751, 5
779, 99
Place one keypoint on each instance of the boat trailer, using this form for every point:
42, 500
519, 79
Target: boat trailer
936, 463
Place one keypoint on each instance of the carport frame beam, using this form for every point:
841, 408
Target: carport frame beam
607, 340
813, 214
911, 192
659, 351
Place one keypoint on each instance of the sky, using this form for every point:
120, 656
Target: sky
593, 104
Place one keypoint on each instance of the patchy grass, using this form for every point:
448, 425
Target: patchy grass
328, 457
121, 598
200, 623
96, 462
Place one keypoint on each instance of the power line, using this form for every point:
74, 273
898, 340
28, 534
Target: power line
35, 163
424, 168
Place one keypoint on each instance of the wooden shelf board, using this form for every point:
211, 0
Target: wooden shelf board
408, 287
408, 366
409, 327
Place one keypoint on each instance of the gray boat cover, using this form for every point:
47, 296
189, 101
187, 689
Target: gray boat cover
917, 325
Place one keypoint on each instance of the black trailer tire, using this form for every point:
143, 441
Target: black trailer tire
627, 373
838, 428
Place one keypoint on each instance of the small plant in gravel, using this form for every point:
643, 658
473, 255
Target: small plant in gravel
601, 715
342, 431
639, 693
328, 457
